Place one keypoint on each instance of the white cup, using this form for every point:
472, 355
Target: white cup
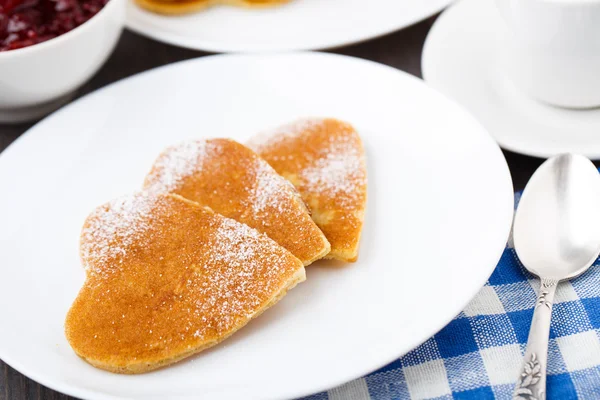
550, 49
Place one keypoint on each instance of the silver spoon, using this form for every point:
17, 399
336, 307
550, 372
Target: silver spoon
556, 235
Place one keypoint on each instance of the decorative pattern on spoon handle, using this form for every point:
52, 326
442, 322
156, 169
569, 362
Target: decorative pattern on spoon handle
531, 383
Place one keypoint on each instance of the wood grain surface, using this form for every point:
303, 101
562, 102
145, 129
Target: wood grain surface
135, 54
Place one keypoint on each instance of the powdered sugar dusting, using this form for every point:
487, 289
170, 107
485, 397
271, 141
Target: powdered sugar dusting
275, 136
254, 265
112, 228
178, 162
270, 192
235, 243
339, 171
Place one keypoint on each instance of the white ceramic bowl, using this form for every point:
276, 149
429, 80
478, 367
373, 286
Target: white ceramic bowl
36, 80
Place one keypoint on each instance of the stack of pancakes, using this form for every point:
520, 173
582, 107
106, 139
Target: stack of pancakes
219, 233
174, 7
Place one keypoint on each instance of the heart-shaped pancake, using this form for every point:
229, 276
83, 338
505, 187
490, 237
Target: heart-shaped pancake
168, 278
325, 160
234, 181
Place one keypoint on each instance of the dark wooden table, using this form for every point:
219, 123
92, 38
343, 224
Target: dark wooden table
134, 54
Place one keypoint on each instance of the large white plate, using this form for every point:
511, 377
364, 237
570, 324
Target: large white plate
439, 212
299, 25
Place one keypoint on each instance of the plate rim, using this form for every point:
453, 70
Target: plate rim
509, 193
213, 47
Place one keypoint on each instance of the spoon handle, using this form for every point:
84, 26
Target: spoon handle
531, 384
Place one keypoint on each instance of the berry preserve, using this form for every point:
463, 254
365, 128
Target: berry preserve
27, 22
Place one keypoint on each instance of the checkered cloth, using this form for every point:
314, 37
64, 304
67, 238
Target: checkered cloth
478, 355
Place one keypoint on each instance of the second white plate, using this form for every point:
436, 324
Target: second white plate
438, 215
299, 25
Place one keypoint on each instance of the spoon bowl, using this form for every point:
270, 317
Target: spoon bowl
557, 224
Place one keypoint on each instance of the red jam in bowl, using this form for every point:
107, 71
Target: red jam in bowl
27, 22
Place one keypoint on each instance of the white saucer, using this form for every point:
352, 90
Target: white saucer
459, 59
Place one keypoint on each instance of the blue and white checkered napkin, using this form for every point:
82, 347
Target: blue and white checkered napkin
478, 355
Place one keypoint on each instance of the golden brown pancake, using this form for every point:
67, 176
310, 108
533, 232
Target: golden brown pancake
234, 181
325, 160
167, 278
174, 7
